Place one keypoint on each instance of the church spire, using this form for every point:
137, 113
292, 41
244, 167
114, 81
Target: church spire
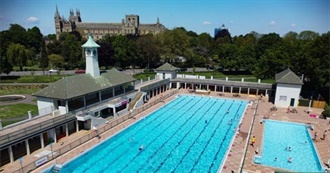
57, 14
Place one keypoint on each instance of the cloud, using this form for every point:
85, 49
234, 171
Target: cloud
206, 23
293, 25
32, 19
231, 21
272, 23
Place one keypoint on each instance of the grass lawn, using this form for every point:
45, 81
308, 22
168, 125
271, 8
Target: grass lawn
19, 91
144, 75
17, 110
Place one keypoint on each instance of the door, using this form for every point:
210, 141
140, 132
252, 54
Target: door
292, 102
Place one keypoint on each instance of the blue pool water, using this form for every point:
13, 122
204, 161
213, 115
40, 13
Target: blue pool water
189, 134
279, 135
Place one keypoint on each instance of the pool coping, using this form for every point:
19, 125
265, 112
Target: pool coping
220, 167
310, 137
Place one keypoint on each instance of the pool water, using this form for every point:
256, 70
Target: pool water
189, 134
278, 136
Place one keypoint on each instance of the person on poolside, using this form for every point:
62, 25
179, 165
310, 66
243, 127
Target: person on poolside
315, 136
253, 140
290, 159
324, 135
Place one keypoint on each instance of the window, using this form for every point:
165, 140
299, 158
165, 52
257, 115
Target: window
282, 98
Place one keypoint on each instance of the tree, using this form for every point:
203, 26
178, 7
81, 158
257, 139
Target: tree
267, 41
5, 66
173, 44
17, 34
307, 35
71, 51
106, 51
18, 55
34, 39
123, 51
56, 61
148, 51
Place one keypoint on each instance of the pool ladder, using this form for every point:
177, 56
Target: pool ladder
56, 168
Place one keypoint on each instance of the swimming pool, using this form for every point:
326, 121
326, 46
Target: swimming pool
280, 135
189, 134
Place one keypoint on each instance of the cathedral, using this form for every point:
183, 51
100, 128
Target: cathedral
130, 25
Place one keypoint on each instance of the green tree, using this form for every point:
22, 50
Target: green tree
18, 55
148, 51
106, 51
17, 34
56, 61
307, 35
123, 51
5, 66
173, 44
71, 51
34, 39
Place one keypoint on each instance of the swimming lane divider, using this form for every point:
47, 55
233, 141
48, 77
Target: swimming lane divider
137, 131
214, 132
161, 135
155, 153
214, 115
192, 127
215, 156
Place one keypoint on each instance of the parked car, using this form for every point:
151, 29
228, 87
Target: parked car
80, 71
53, 71
181, 69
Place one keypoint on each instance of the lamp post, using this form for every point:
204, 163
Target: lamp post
20, 159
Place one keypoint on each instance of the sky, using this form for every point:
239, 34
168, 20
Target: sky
201, 16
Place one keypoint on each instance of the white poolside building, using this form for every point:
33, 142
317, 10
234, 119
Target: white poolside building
288, 88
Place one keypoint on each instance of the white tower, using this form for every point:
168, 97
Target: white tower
92, 61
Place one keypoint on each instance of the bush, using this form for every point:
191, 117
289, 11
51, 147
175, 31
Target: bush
326, 112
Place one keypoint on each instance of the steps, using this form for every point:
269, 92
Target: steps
133, 102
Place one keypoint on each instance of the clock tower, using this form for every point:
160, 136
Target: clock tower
92, 61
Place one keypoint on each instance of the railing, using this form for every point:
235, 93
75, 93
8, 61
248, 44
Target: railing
51, 123
112, 123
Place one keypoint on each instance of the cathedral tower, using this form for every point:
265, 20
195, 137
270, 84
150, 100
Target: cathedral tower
58, 23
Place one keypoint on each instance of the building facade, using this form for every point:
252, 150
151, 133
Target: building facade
130, 25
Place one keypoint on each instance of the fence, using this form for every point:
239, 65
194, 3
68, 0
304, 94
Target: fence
114, 122
314, 104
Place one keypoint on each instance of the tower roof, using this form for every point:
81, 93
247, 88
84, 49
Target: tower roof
90, 42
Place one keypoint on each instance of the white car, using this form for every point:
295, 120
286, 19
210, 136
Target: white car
53, 71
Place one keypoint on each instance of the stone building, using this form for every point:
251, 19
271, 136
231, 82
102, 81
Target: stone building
130, 25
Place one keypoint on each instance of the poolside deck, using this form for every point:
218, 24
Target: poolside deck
236, 159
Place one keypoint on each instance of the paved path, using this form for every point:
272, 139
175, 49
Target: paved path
29, 99
236, 154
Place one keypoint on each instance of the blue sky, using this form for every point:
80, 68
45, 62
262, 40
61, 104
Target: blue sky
240, 16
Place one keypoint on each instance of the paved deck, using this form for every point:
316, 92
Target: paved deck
236, 155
